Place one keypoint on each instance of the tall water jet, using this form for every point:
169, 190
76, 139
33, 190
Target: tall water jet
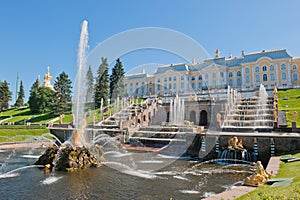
80, 88
177, 111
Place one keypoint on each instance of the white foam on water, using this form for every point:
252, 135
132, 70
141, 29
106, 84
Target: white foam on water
30, 156
141, 174
169, 157
208, 194
189, 191
9, 175
181, 178
1, 151
120, 155
50, 180
172, 173
150, 161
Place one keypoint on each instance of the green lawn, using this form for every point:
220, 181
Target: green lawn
287, 170
289, 100
18, 135
21, 115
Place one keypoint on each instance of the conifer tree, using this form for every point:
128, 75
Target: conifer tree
62, 95
21, 96
90, 85
5, 95
40, 98
117, 81
102, 84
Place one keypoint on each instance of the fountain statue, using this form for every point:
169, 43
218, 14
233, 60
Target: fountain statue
259, 177
236, 153
236, 144
76, 152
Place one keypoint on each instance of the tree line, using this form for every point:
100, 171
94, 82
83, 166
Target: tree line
58, 101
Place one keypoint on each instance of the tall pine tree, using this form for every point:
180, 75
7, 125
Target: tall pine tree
102, 84
117, 81
5, 95
62, 95
21, 96
90, 85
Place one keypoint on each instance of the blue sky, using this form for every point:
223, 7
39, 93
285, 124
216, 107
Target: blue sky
35, 34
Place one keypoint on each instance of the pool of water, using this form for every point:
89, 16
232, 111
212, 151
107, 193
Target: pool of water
122, 177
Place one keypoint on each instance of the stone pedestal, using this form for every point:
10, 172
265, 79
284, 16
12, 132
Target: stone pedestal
294, 126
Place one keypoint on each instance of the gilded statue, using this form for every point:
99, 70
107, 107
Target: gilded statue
295, 116
259, 177
236, 144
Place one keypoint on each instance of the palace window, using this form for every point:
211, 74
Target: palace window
131, 84
214, 75
206, 76
158, 87
199, 85
214, 83
222, 74
174, 86
181, 85
143, 83
170, 86
247, 79
174, 78
230, 82
193, 78
136, 83
283, 76
165, 87
230, 74
200, 77
239, 73
294, 67
283, 67
257, 69
271, 67
239, 81
182, 77
170, 78
295, 76
272, 77
247, 70
158, 80
165, 79
264, 68
257, 78
193, 85
265, 77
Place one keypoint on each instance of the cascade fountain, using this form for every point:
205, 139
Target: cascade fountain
249, 114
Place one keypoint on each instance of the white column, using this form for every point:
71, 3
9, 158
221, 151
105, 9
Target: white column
225, 77
289, 74
234, 79
277, 75
243, 77
253, 77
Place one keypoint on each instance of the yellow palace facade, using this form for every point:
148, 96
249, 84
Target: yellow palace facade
245, 73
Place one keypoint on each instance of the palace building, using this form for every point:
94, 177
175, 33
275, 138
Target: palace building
245, 73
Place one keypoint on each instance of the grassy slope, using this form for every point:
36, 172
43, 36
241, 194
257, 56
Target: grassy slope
287, 170
17, 135
289, 100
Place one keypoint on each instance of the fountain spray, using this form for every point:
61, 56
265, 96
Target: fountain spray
80, 88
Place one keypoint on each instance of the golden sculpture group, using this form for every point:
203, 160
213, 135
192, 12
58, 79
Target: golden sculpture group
260, 176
